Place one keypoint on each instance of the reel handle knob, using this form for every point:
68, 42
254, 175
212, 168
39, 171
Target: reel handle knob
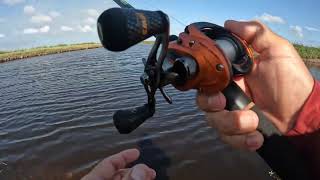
128, 120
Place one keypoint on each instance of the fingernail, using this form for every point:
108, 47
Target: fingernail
138, 174
252, 141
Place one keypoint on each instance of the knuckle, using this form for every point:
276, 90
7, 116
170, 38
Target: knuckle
261, 29
237, 120
257, 23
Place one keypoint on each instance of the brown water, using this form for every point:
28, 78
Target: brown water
56, 121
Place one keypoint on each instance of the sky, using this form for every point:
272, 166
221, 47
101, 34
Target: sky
32, 23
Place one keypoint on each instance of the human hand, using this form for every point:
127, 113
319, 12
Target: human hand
114, 168
279, 84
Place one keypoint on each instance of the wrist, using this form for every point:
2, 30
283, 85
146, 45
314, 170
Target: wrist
308, 119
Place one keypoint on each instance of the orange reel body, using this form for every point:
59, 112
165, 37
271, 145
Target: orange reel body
214, 71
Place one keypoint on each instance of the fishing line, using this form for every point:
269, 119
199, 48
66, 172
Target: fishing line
148, 4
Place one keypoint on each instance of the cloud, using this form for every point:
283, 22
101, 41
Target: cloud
311, 29
2, 20
44, 29
297, 30
92, 12
2, 35
12, 2
90, 21
86, 28
271, 19
54, 14
30, 31
40, 19
29, 10
66, 28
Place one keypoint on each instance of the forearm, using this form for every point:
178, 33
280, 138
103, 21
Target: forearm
306, 132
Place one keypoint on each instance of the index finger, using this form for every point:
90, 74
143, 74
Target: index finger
109, 166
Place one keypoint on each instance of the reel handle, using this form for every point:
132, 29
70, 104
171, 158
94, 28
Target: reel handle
276, 150
128, 120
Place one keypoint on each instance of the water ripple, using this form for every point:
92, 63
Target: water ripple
56, 121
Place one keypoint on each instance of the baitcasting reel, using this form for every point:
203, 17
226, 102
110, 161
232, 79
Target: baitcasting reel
205, 57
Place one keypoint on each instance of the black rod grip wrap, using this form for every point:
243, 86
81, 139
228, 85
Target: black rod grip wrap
237, 100
277, 151
121, 28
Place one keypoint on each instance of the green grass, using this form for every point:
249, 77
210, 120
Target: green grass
307, 52
45, 50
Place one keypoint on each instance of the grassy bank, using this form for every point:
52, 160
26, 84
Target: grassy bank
6, 56
307, 52
44, 50
311, 55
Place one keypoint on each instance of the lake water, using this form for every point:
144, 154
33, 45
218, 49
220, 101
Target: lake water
56, 121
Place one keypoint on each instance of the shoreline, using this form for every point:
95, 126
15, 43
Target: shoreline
63, 48
43, 51
312, 62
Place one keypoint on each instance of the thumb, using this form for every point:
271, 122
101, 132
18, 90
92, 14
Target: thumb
255, 33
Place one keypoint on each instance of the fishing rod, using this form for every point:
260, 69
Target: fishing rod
123, 4
205, 57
